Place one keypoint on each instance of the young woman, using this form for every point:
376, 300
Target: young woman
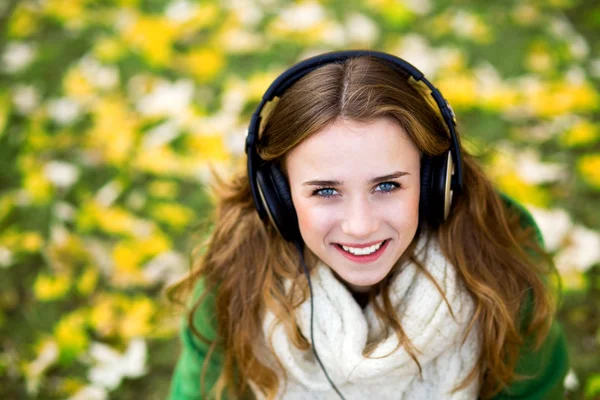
364, 254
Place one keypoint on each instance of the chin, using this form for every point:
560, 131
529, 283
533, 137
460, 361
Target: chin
363, 283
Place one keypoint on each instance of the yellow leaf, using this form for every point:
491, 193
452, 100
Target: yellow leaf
573, 280
103, 316
48, 288
153, 36
163, 189
109, 49
204, 64
77, 85
137, 319
175, 215
581, 133
208, 147
38, 186
87, 281
523, 192
589, 168
114, 132
71, 336
23, 22
459, 89
31, 241
65, 10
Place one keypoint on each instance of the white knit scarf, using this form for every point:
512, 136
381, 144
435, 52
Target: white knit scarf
342, 330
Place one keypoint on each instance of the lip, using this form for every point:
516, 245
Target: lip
361, 246
364, 259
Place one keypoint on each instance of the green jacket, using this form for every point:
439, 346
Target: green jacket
546, 367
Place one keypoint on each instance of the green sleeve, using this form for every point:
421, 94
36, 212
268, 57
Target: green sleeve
544, 370
185, 383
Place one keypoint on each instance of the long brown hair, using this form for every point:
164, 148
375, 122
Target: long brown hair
245, 260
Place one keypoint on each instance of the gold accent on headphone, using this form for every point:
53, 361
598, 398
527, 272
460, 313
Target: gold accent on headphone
265, 112
448, 192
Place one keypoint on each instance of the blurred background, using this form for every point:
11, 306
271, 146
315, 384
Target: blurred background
112, 112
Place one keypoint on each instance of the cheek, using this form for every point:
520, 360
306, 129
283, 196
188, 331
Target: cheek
313, 221
408, 218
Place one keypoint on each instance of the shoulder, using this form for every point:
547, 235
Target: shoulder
525, 217
195, 352
542, 369
200, 318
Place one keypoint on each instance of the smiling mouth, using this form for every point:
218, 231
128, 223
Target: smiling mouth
362, 252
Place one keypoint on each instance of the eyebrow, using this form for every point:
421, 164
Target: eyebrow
334, 183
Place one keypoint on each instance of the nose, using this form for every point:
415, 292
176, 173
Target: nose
360, 220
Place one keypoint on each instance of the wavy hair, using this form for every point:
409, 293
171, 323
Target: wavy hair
245, 261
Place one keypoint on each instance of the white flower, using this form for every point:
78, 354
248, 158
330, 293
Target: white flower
101, 254
64, 211
488, 78
90, 392
59, 234
464, 24
161, 134
64, 110
420, 7
334, 34
576, 76
100, 76
109, 193
34, 370
579, 47
561, 27
25, 98
246, 11
22, 197
534, 171
361, 29
142, 228
416, 50
571, 382
235, 140
110, 366
61, 174
136, 200
234, 98
240, 41
166, 267
17, 56
167, 99
554, 224
582, 251
301, 17
217, 123
181, 11
5, 257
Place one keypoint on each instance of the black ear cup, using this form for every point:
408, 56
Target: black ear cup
277, 199
435, 186
424, 198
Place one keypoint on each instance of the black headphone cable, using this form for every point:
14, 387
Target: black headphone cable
312, 313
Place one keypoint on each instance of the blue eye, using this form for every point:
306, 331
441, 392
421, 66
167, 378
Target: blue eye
324, 192
388, 187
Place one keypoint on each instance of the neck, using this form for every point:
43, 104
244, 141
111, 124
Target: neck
362, 298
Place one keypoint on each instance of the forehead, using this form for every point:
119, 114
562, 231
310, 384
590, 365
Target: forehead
349, 146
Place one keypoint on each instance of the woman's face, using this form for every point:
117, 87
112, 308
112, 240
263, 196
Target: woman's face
357, 185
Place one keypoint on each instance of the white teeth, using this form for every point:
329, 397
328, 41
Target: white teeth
364, 251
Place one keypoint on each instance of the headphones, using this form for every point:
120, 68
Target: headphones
441, 176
